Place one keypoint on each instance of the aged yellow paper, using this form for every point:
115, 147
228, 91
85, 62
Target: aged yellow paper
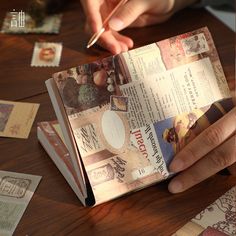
16, 118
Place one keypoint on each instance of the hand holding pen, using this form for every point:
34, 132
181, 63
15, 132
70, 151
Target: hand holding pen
96, 12
131, 13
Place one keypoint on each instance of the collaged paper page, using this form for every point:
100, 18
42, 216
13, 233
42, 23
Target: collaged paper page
131, 113
218, 219
46, 54
16, 190
22, 23
16, 118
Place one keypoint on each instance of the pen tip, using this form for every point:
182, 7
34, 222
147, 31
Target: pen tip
95, 37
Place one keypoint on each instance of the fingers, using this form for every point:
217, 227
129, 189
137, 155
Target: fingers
115, 42
109, 42
148, 19
127, 14
124, 39
218, 159
92, 12
205, 142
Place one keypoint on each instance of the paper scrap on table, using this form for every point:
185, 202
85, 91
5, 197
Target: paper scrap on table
46, 54
22, 23
16, 118
16, 190
218, 219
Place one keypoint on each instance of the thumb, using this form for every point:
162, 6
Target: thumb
127, 14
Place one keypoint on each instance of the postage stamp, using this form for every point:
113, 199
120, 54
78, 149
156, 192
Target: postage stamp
46, 54
14, 187
5, 111
195, 45
22, 23
119, 103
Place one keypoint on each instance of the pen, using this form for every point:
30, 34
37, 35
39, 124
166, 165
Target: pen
96, 36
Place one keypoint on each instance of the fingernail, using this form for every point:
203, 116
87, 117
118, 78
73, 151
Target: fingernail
116, 24
176, 165
175, 186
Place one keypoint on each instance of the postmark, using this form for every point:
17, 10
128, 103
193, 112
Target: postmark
119, 103
5, 112
46, 54
14, 187
195, 45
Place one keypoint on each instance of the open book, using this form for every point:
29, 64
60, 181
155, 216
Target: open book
122, 119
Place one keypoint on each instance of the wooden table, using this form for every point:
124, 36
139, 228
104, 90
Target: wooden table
54, 208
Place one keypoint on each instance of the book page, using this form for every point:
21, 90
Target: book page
131, 113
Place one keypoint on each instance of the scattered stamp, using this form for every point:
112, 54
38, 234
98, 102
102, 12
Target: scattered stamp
22, 23
46, 54
16, 191
195, 45
119, 103
16, 118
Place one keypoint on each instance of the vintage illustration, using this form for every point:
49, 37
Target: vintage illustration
119, 103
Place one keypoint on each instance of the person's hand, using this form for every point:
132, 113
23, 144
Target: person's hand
213, 150
134, 13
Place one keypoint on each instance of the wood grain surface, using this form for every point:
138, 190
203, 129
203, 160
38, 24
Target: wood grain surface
54, 208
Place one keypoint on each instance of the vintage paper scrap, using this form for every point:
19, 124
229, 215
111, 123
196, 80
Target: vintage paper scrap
16, 118
16, 190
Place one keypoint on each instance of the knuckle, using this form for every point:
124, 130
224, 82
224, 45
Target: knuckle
213, 136
220, 160
130, 11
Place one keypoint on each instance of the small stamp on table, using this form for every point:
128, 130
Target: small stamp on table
46, 54
119, 103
